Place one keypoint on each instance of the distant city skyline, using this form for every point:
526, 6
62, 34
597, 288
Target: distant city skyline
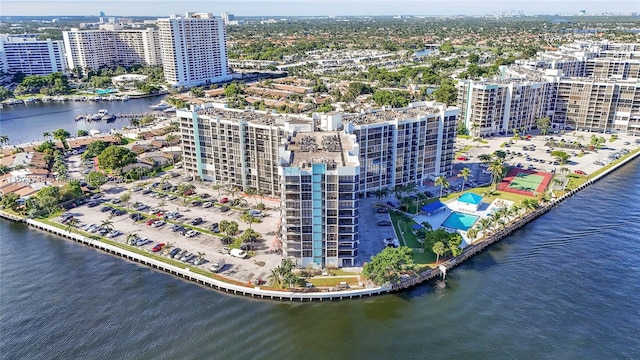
312, 7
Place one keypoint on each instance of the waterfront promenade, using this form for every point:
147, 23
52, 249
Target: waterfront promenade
257, 292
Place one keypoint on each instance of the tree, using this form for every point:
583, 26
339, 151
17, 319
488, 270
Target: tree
484, 159
446, 93
543, 124
388, 265
126, 198
4, 139
72, 226
9, 201
380, 193
561, 156
94, 149
442, 182
62, 135
46, 135
248, 218
167, 247
132, 237
252, 192
464, 174
116, 157
96, 179
107, 224
496, 171
82, 132
197, 91
439, 249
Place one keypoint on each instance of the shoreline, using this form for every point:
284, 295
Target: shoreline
256, 292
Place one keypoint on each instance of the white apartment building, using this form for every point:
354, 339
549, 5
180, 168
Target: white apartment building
319, 174
194, 49
30, 56
100, 48
590, 87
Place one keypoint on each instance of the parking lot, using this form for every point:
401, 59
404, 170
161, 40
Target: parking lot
244, 270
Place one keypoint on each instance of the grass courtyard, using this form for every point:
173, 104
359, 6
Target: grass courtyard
410, 240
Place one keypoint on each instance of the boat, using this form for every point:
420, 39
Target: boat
125, 98
103, 112
160, 106
80, 117
169, 109
109, 117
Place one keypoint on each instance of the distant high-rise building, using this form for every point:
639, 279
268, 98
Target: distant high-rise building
99, 48
194, 49
30, 56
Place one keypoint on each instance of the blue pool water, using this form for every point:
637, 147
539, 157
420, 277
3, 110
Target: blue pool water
106, 91
460, 221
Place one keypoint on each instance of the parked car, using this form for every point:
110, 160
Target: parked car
382, 210
197, 221
174, 252
238, 253
143, 242
118, 212
158, 247
391, 242
384, 223
137, 217
113, 233
205, 195
196, 203
580, 172
158, 223
191, 233
171, 197
199, 261
179, 255
256, 213
224, 200
207, 204
224, 208
185, 256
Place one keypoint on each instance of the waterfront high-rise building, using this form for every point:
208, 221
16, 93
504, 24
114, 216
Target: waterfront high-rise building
593, 87
106, 48
194, 49
319, 166
319, 175
30, 56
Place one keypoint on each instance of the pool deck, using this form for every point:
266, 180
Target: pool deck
436, 220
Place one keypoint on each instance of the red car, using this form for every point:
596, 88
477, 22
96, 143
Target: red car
580, 172
150, 221
158, 247
224, 200
463, 158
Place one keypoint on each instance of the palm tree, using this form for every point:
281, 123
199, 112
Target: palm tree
4, 139
496, 171
275, 279
472, 234
464, 174
200, 255
380, 193
442, 182
132, 236
398, 191
439, 249
167, 248
46, 135
485, 223
72, 226
252, 192
107, 224
216, 187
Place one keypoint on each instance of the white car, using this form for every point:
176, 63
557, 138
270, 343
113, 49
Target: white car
113, 233
158, 223
191, 233
207, 204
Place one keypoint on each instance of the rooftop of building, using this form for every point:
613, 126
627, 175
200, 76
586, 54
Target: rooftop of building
385, 115
331, 148
256, 117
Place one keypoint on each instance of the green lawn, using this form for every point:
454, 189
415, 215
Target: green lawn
488, 198
332, 281
427, 257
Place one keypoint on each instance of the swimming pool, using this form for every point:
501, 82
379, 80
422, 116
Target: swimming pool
460, 221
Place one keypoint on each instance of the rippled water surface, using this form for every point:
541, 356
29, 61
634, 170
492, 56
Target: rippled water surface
567, 286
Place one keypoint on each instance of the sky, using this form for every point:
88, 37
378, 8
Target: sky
163, 8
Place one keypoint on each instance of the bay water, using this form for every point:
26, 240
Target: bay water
566, 286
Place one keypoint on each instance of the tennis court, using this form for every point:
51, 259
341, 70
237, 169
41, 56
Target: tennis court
525, 182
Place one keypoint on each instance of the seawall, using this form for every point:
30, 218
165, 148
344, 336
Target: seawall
257, 292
